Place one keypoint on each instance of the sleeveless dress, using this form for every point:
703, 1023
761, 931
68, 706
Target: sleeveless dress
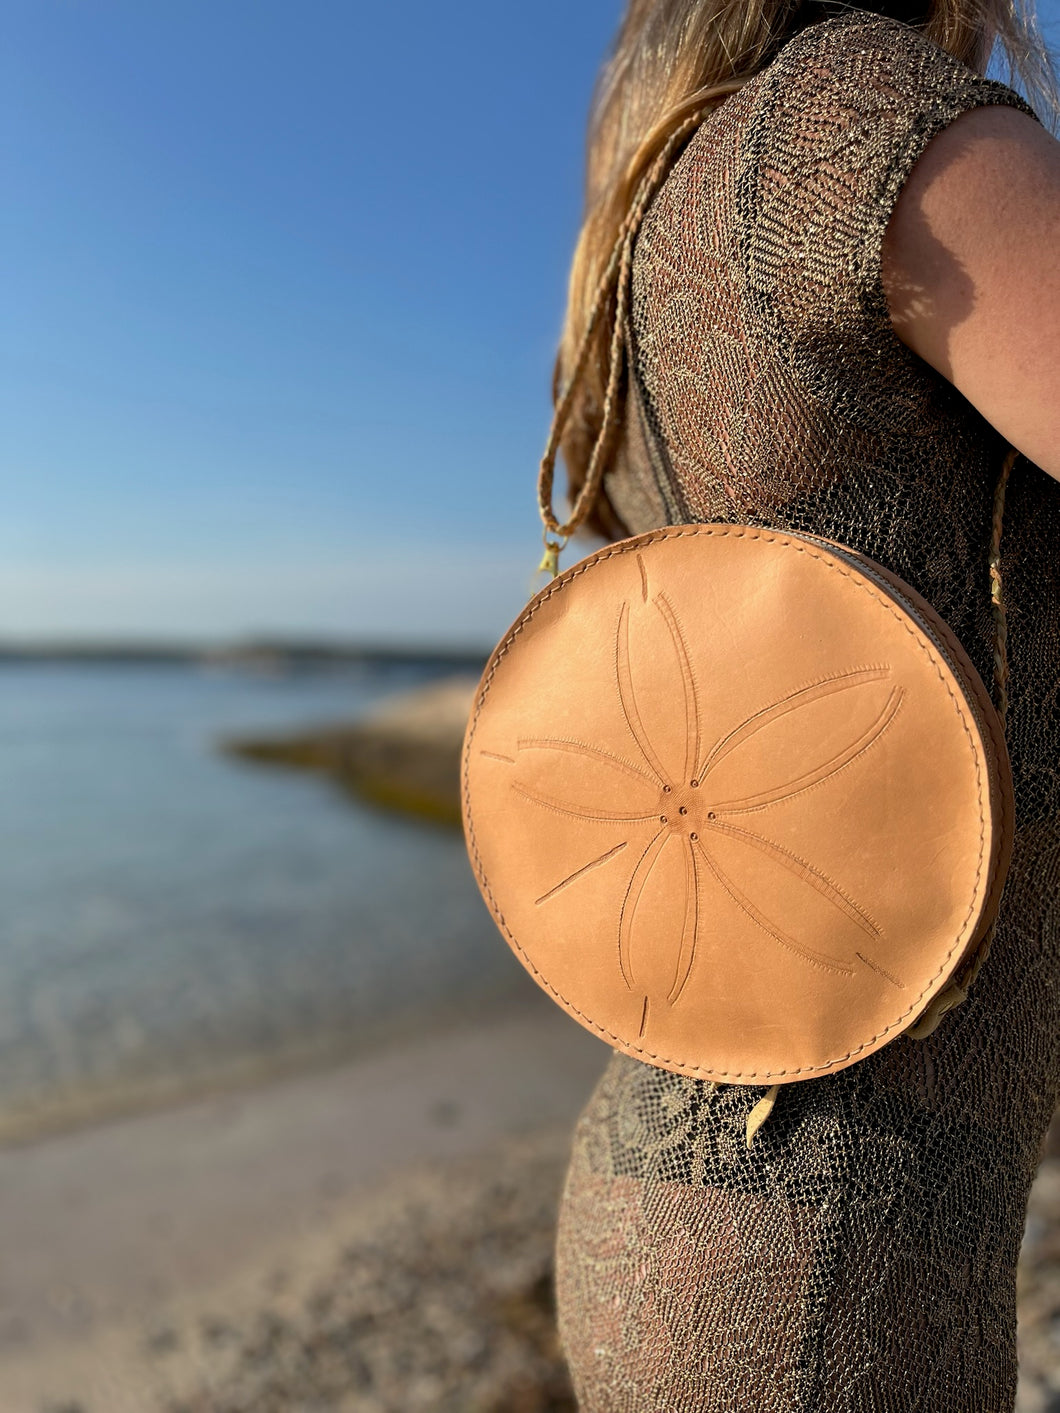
860, 1257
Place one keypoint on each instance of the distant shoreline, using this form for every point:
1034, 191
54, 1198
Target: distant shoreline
252, 654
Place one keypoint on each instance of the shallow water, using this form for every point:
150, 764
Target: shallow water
172, 915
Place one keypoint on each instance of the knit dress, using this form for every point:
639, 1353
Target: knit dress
860, 1256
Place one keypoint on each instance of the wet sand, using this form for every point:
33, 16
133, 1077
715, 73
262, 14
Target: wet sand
127, 1247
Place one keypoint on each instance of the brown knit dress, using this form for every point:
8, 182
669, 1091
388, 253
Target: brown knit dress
860, 1257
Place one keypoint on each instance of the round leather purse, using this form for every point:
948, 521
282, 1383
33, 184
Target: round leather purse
737, 797
738, 800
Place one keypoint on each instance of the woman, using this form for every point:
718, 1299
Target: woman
845, 301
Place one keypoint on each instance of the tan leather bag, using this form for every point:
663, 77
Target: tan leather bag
737, 797
738, 800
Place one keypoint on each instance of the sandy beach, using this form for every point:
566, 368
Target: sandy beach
372, 1238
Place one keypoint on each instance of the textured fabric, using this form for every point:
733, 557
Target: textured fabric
861, 1255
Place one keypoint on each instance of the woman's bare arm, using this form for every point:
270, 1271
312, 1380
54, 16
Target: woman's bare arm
971, 268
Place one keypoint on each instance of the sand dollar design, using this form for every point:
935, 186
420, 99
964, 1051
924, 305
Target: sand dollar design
731, 804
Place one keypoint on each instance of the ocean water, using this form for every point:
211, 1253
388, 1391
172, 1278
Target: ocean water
170, 916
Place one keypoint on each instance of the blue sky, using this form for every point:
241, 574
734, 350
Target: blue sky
282, 288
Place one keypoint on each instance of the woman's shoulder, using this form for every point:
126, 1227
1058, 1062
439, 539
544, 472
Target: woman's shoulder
829, 133
864, 62
839, 117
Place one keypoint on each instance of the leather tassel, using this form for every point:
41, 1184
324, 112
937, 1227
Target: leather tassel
761, 1111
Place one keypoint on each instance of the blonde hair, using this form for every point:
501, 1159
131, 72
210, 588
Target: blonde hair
671, 62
